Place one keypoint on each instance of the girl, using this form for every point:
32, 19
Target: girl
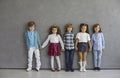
98, 44
33, 44
69, 46
82, 41
54, 48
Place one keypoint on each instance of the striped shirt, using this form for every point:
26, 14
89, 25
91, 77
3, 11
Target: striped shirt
69, 41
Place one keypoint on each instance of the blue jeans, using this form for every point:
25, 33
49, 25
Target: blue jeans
69, 55
97, 57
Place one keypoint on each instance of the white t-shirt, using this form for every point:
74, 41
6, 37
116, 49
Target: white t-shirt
53, 38
83, 37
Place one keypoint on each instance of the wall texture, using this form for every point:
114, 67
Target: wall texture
14, 15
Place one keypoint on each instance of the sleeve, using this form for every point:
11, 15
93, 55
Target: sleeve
103, 41
26, 40
88, 37
61, 42
46, 42
38, 38
77, 36
92, 39
64, 38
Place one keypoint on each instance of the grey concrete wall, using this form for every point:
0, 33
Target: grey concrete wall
14, 15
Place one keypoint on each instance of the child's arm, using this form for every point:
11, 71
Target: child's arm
61, 43
90, 46
76, 43
26, 39
46, 42
38, 36
103, 41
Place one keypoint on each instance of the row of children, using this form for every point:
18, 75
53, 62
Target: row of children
82, 43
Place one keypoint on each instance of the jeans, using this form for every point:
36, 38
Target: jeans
37, 56
97, 57
69, 54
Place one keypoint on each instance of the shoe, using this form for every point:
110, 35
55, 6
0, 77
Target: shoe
67, 70
84, 69
29, 69
37, 69
72, 70
95, 68
81, 69
98, 68
53, 70
58, 70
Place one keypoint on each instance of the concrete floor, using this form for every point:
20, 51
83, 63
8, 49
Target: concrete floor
20, 73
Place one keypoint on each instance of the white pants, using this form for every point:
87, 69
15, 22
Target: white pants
37, 56
58, 62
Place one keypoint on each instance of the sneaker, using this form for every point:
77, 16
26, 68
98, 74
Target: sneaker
98, 68
84, 69
72, 70
95, 68
29, 69
81, 69
37, 69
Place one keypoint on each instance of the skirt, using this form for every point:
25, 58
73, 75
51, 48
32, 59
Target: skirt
82, 47
54, 49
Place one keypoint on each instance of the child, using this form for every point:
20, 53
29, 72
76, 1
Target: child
54, 38
98, 44
82, 41
33, 43
69, 46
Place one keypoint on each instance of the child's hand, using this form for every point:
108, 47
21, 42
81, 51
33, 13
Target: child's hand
76, 49
63, 50
90, 49
41, 48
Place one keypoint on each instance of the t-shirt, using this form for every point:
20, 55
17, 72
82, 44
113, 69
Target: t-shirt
83, 37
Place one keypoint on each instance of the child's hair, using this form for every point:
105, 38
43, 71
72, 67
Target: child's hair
55, 26
67, 26
95, 25
31, 23
83, 24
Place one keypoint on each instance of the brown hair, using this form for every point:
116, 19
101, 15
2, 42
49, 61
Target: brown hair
31, 23
95, 25
83, 24
55, 26
69, 25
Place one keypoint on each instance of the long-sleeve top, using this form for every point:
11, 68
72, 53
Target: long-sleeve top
53, 38
98, 41
69, 41
32, 39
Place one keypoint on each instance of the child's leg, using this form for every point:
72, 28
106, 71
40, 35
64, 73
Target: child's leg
58, 62
71, 54
37, 56
84, 60
95, 58
99, 58
30, 56
67, 59
52, 63
80, 62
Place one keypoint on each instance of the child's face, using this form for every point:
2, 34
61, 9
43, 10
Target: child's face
54, 30
97, 29
32, 28
84, 28
69, 29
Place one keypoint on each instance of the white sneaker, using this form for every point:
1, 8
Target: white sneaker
81, 69
84, 69
37, 69
29, 69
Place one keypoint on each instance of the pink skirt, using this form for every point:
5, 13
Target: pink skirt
54, 49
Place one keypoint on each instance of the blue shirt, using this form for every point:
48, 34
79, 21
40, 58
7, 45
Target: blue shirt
31, 38
98, 41
69, 41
